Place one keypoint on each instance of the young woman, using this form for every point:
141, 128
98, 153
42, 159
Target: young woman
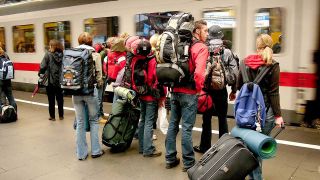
51, 64
269, 86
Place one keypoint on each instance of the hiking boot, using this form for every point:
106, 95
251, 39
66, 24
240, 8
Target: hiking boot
61, 117
154, 154
82, 159
173, 164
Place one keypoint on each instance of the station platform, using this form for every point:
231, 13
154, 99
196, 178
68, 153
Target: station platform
34, 148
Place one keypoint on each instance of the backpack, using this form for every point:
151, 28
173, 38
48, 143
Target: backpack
113, 64
8, 114
78, 72
215, 72
173, 50
118, 132
249, 108
6, 68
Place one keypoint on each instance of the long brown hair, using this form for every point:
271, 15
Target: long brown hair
55, 46
264, 45
1, 51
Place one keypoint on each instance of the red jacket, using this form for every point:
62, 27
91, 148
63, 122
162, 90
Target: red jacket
199, 55
113, 65
152, 80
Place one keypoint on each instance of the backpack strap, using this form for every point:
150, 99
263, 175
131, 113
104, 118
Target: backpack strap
244, 73
262, 72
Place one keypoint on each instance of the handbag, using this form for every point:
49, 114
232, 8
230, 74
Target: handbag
43, 79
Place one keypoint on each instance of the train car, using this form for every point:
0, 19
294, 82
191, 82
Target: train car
26, 30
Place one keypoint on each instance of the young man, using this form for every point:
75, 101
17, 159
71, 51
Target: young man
184, 102
219, 97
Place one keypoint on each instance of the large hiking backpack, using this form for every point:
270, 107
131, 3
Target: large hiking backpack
174, 50
6, 68
249, 108
8, 114
78, 72
118, 132
113, 64
215, 76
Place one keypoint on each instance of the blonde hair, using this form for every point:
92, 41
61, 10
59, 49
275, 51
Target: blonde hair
153, 40
264, 45
1, 51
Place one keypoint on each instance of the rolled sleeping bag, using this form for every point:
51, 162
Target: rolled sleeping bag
125, 93
258, 143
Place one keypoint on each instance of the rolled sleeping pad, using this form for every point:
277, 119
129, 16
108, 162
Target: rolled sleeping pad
125, 93
258, 143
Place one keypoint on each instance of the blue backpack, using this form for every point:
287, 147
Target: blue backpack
250, 109
6, 68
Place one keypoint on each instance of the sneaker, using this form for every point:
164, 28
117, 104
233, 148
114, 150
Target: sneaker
82, 159
198, 149
154, 154
61, 117
173, 164
154, 137
98, 155
52, 119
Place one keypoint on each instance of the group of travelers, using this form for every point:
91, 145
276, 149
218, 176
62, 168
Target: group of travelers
125, 50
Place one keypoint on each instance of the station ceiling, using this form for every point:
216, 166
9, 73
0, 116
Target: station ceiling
44, 4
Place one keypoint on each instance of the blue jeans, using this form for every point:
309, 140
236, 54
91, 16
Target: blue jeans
79, 105
256, 174
99, 93
148, 114
183, 106
6, 88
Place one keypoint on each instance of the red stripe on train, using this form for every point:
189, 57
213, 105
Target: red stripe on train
26, 66
287, 79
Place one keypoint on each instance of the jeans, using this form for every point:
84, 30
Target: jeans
220, 99
183, 106
55, 93
148, 115
99, 93
6, 88
256, 174
81, 142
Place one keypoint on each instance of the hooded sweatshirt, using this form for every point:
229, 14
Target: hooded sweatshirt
269, 84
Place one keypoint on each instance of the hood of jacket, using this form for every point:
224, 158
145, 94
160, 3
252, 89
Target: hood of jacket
57, 56
254, 61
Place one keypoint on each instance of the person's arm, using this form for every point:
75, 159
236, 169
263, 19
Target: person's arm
201, 54
273, 90
44, 64
97, 59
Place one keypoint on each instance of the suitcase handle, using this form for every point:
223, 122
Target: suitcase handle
208, 156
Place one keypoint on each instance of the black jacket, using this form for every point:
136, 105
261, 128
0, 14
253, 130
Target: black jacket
51, 63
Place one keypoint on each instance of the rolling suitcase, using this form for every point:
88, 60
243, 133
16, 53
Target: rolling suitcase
228, 159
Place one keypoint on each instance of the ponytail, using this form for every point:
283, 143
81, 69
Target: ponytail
264, 44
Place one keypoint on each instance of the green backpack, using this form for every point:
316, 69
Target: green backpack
118, 132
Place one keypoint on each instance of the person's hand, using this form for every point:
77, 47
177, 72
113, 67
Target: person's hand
232, 96
279, 122
162, 102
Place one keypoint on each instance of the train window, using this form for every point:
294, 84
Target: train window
23, 38
269, 21
102, 28
225, 18
150, 23
2, 39
59, 31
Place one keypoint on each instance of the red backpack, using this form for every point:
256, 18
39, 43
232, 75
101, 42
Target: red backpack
116, 61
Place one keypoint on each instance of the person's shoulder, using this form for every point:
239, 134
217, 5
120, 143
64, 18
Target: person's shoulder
198, 45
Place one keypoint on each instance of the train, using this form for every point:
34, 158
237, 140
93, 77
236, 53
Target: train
292, 24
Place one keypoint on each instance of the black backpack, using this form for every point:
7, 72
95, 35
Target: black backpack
8, 114
78, 72
174, 50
